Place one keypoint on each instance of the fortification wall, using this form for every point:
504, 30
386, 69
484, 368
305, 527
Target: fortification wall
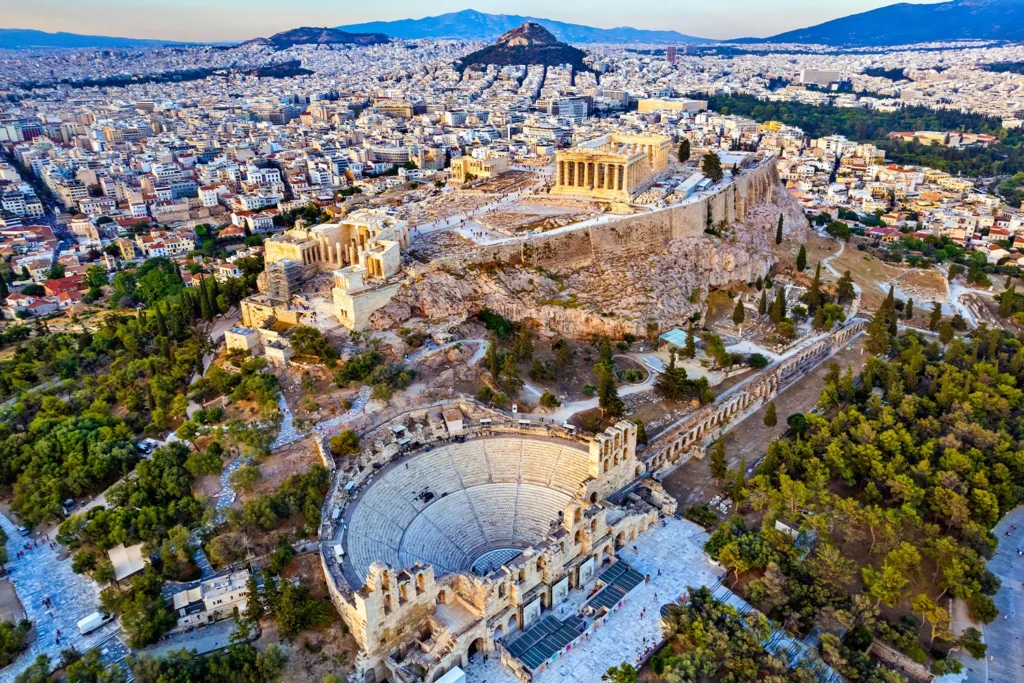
636, 235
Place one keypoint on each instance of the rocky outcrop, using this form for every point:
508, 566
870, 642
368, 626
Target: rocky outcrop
605, 294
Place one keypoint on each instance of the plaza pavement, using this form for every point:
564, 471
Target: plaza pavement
1005, 658
40, 575
677, 549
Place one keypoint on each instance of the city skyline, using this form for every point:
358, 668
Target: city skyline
231, 20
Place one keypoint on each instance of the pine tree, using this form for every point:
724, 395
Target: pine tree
778, 231
845, 291
771, 418
738, 314
1006, 303
690, 349
717, 462
762, 305
672, 384
908, 310
712, 167
801, 259
814, 294
936, 317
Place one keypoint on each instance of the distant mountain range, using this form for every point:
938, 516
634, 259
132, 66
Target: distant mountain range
898, 24
21, 38
472, 25
309, 35
904, 23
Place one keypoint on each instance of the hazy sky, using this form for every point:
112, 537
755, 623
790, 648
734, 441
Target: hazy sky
210, 20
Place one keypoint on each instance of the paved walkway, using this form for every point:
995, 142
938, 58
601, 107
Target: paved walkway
40, 575
352, 413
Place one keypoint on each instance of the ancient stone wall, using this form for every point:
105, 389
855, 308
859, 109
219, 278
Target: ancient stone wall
639, 234
695, 431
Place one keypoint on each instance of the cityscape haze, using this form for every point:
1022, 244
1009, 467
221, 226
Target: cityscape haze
663, 342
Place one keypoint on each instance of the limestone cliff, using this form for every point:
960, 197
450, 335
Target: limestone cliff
611, 293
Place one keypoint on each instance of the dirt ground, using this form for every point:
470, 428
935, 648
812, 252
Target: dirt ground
869, 273
315, 653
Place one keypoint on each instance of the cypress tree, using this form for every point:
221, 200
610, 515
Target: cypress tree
801, 259
717, 462
814, 295
908, 311
641, 433
4, 291
738, 314
878, 333
741, 480
936, 317
1006, 303
778, 231
762, 305
778, 313
493, 360
607, 392
690, 350
771, 417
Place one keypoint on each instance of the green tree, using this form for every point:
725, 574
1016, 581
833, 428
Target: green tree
672, 384
511, 382
717, 463
1006, 301
814, 293
845, 291
778, 230
641, 433
738, 314
762, 305
623, 673
936, 317
908, 310
878, 341
607, 391
684, 151
690, 348
712, 167
801, 258
344, 443
771, 417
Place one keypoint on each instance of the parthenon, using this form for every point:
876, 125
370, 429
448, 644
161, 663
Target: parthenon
613, 167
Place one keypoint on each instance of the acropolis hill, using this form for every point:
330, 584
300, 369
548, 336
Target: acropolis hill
620, 270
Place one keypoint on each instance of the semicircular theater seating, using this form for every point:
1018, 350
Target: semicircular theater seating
501, 492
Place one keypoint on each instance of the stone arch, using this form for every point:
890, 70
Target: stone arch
639, 470
621, 538
443, 597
